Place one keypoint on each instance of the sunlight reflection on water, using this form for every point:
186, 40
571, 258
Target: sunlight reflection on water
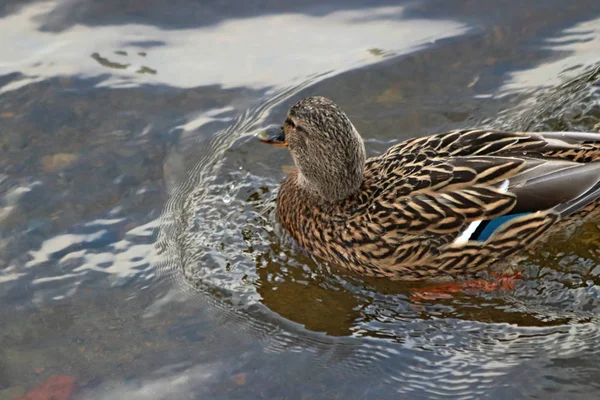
579, 47
104, 122
231, 53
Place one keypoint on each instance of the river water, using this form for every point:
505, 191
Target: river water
138, 250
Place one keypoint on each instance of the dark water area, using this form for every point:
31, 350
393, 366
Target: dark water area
138, 250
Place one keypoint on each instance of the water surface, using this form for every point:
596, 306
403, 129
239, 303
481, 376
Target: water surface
138, 249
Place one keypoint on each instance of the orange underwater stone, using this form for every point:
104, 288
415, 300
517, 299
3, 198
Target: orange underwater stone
57, 387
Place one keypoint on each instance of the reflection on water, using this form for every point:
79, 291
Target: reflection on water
230, 54
139, 250
578, 47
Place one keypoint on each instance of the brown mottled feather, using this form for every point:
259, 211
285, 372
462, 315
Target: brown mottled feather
417, 198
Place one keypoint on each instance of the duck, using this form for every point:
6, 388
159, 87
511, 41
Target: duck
443, 205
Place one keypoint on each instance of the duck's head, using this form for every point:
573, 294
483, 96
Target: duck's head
326, 148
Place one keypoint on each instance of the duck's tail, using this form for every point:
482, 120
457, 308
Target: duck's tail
588, 198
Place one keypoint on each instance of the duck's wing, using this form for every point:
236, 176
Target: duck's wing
444, 183
572, 146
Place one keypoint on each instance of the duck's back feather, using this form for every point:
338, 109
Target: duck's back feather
420, 196
542, 170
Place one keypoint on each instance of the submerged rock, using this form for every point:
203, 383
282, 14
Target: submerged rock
57, 387
58, 161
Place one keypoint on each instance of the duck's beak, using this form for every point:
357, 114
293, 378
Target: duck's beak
273, 135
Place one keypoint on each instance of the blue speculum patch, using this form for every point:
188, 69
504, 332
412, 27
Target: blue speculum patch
487, 228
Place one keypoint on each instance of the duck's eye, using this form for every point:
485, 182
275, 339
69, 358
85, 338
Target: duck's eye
293, 125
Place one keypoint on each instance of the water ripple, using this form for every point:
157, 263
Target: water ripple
218, 241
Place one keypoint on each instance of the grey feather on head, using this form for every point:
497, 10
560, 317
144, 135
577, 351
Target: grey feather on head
326, 148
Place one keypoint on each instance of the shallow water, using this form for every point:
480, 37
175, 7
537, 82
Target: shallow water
138, 249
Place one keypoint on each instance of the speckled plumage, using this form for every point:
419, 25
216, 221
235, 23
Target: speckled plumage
400, 215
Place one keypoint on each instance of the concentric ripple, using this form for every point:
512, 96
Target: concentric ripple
219, 242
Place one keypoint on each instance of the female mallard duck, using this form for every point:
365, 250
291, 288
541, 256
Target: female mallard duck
451, 203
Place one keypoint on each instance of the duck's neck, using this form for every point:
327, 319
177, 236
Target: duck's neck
336, 189
300, 210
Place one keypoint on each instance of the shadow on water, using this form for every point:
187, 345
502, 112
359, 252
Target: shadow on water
113, 110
